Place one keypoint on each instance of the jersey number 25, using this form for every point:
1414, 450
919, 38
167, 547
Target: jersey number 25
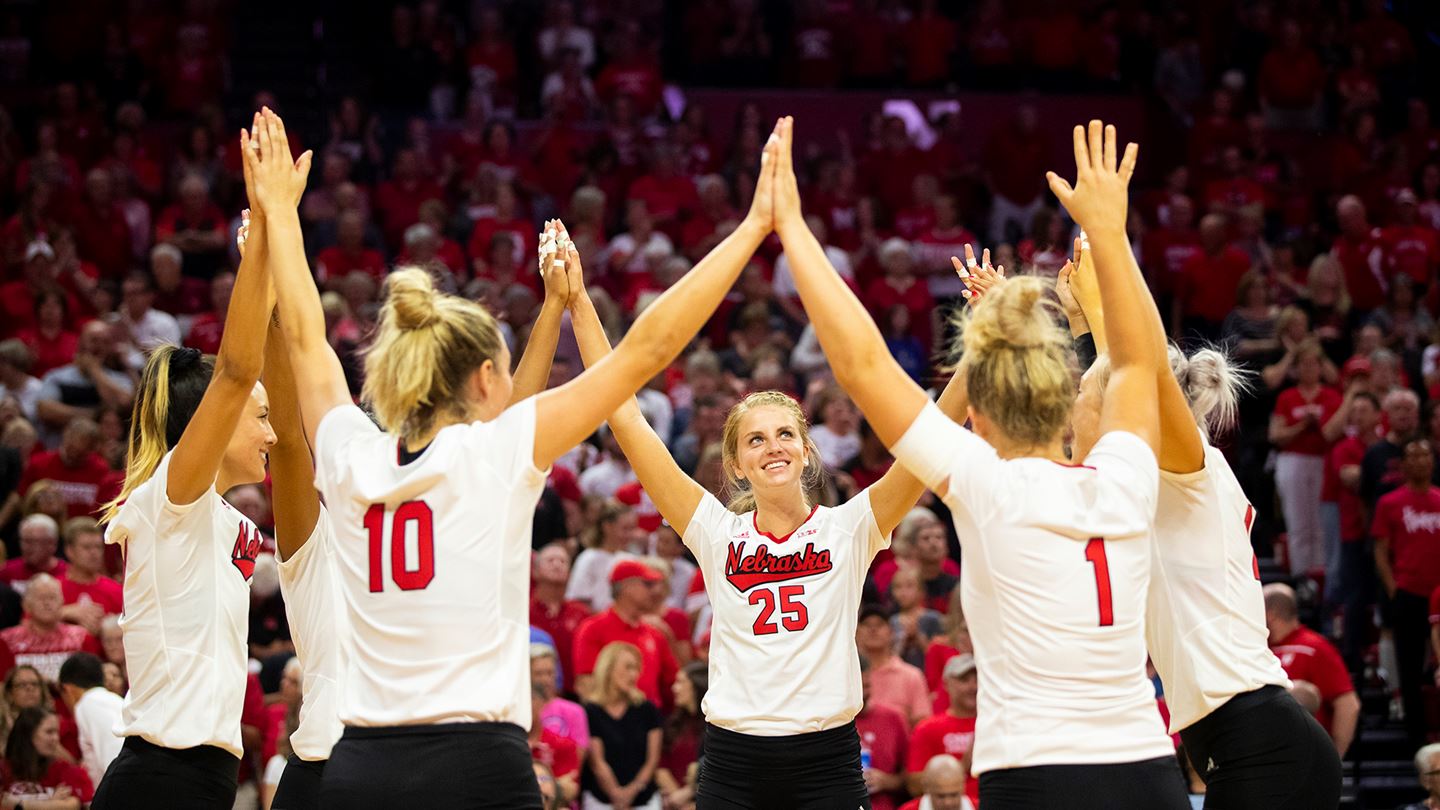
793, 615
409, 516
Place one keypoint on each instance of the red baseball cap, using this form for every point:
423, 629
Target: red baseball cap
646, 515
626, 569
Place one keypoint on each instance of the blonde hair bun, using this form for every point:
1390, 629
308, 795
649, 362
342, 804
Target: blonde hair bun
412, 298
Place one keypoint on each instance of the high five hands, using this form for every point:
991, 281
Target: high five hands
273, 182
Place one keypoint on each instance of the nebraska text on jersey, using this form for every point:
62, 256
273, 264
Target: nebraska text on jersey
760, 567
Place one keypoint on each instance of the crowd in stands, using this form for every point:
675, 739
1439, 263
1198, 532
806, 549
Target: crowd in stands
1291, 213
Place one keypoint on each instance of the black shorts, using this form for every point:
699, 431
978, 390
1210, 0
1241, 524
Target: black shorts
299, 787
145, 775
819, 771
470, 765
1263, 751
1152, 784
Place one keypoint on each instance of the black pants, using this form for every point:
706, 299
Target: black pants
1152, 784
1410, 621
1263, 751
299, 787
470, 765
1357, 588
144, 775
819, 771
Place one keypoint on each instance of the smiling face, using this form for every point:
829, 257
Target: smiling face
249, 448
770, 448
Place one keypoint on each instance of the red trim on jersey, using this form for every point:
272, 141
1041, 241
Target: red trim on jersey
772, 538
1070, 466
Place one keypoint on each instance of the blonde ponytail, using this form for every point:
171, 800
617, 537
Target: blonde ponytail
1212, 385
1019, 365
426, 347
171, 387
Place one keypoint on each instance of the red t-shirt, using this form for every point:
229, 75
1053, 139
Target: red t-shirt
47, 651
1435, 606
1410, 520
59, 773
935, 657
398, 206
1166, 252
104, 591
19, 571
50, 353
192, 297
657, 666
558, 752
1306, 655
943, 734
1413, 250
102, 237
82, 486
1349, 451
884, 732
336, 262
666, 198
1292, 406
205, 333
562, 625
1207, 283
1363, 263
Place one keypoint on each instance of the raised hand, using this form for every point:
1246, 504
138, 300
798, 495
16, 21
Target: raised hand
574, 273
243, 232
1100, 196
273, 181
762, 208
979, 277
553, 258
787, 190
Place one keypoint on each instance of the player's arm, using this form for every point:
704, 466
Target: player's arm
858, 356
201, 449
296, 504
279, 184
1136, 339
533, 370
675, 494
573, 411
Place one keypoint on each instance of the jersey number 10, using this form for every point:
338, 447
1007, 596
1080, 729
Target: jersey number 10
407, 514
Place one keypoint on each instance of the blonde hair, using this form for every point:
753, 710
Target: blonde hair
611, 510
171, 387
1211, 383
427, 345
742, 498
1325, 263
603, 692
1018, 364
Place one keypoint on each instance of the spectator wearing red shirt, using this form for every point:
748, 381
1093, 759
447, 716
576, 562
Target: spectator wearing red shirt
1291, 81
900, 287
630, 72
39, 538
35, 765
556, 751
1208, 281
631, 583
90, 596
889, 172
1353, 582
41, 639
1308, 656
1015, 158
77, 471
491, 59
897, 684
1410, 246
503, 218
669, 196
349, 252
446, 251
197, 227
19, 299
102, 235
174, 292
52, 340
549, 609
207, 328
1360, 250
1169, 246
943, 786
883, 732
929, 39
701, 232
1407, 558
950, 733
398, 200
1306, 416
1233, 190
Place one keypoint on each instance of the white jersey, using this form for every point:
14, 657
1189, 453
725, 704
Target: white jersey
317, 622
434, 566
1205, 619
782, 648
186, 619
1057, 563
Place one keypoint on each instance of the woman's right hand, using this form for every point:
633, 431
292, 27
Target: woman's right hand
763, 208
1099, 199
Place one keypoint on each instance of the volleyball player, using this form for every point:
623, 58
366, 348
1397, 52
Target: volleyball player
784, 578
199, 427
1254, 746
432, 513
1057, 557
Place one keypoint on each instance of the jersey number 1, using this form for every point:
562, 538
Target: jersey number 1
1095, 553
418, 514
